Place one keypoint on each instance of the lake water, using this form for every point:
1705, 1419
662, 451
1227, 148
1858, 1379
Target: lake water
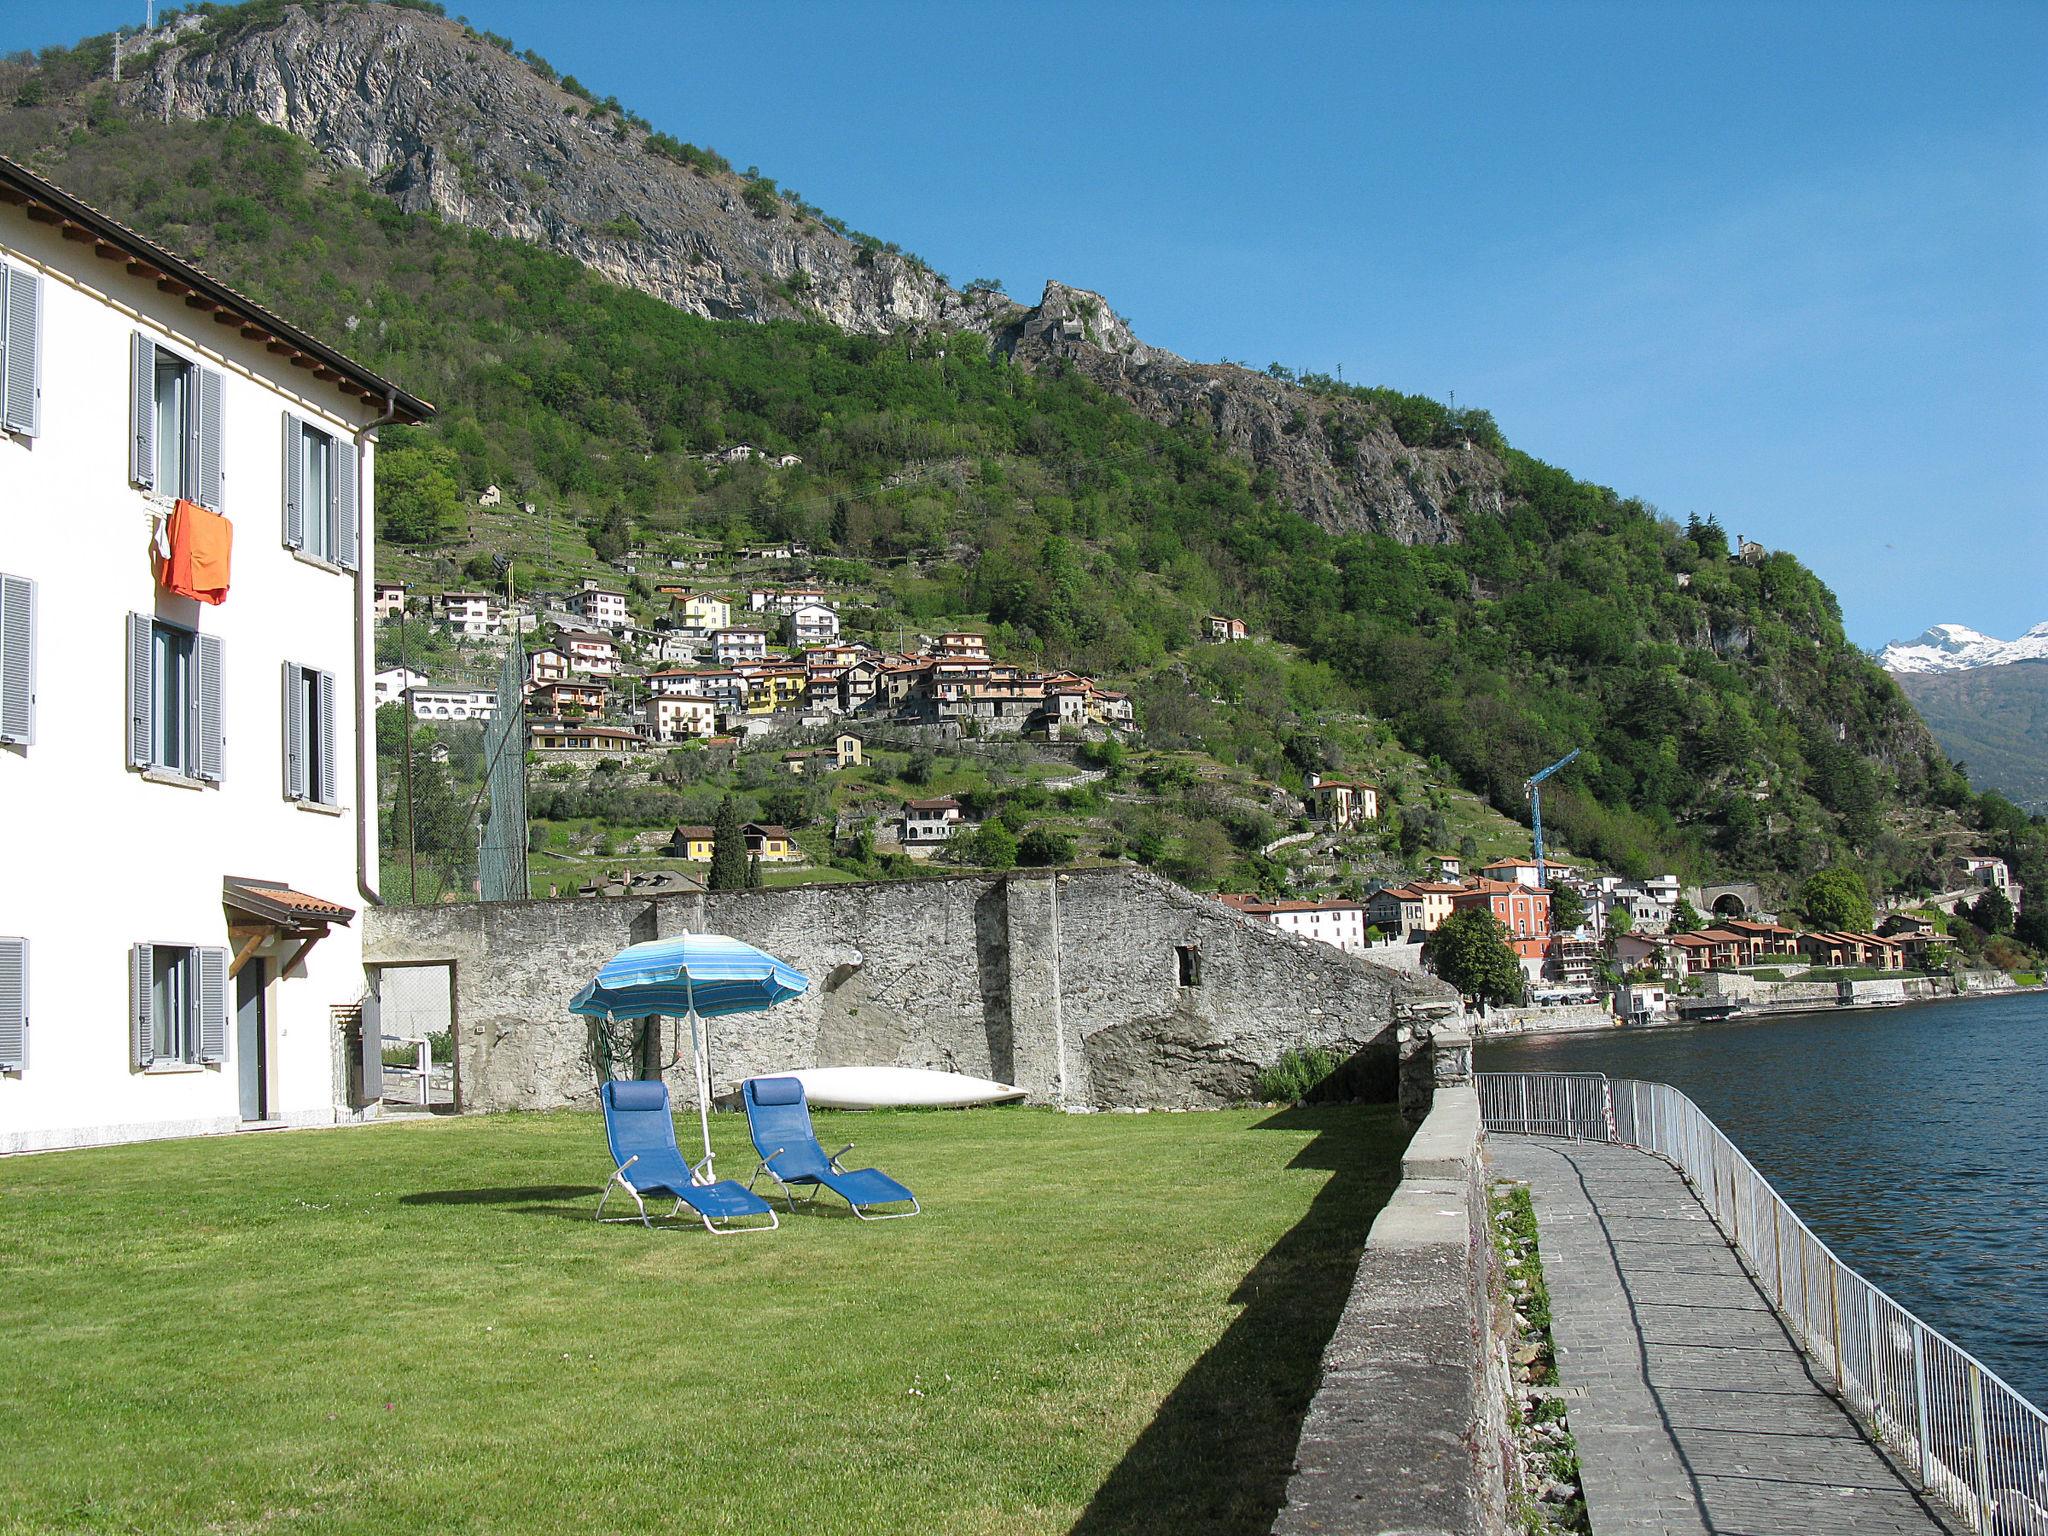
1913, 1140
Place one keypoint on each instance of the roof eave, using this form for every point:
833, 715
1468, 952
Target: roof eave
22, 187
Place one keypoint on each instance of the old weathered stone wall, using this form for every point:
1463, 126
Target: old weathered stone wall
1069, 985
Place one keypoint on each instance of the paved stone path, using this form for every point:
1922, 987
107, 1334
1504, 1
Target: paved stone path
1694, 1410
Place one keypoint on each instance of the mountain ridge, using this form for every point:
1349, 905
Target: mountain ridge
447, 120
1957, 648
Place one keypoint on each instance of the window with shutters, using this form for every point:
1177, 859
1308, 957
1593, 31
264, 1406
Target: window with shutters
178, 994
310, 755
319, 494
174, 458
21, 346
13, 1005
176, 425
17, 661
175, 689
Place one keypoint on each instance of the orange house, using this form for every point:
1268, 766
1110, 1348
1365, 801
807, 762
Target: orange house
1523, 910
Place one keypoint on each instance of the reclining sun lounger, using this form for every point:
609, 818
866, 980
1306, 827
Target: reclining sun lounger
779, 1120
642, 1135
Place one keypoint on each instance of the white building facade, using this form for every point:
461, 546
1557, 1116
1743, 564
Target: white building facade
215, 759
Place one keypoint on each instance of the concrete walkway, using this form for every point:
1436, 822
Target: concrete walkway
1694, 1410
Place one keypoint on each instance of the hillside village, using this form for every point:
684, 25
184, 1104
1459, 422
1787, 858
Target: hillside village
764, 668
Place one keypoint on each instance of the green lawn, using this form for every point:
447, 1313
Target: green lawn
1103, 1324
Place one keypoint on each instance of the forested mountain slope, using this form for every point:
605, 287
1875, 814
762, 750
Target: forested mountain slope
1996, 720
1040, 467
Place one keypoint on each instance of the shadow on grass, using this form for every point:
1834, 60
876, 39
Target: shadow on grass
1216, 1458
530, 1199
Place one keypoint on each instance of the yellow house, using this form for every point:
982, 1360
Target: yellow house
700, 610
767, 692
846, 748
692, 843
771, 845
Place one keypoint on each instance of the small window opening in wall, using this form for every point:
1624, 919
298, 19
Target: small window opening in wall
1188, 958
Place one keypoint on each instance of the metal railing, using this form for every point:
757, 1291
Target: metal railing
1970, 1440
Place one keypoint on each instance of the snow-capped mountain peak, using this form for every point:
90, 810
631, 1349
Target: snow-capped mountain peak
1956, 648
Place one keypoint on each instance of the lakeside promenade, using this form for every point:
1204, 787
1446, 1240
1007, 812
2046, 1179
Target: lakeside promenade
1693, 1408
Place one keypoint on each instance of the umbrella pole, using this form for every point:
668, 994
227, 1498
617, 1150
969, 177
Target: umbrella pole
702, 1077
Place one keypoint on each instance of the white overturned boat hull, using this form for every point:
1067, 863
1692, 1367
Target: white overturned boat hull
898, 1088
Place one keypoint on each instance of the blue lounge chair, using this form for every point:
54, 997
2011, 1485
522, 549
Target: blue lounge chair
643, 1143
779, 1120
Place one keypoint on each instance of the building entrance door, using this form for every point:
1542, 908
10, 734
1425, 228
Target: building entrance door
252, 1049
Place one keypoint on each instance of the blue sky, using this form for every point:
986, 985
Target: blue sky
1783, 264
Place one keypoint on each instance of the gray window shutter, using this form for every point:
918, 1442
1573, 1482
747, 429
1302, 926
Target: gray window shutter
13, 1004
20, 353
294, 734
370, 1047
213, 1004
141, 1005
323, 686
17, 660
343, 474
294, 484
212, 727
208, 426
142, 415
141, 688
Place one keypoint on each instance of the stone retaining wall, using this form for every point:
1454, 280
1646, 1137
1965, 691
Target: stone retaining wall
1407, 1429
1098, 987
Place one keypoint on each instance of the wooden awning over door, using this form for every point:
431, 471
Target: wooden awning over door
262, 911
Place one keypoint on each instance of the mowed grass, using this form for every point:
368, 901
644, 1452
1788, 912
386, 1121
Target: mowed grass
1102, 1323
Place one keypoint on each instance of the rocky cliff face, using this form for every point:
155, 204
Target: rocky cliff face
444, 121
1336, 459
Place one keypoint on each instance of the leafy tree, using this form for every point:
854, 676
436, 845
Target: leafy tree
2031, 927
1620, 920
1470, 951
1685, 917
1837, 899
754, 872
728, 848
1567, 907
992, 846
1043, 846
1199, 857
918, 770
1993, 912
417, 499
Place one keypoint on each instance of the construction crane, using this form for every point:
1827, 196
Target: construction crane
1533, 788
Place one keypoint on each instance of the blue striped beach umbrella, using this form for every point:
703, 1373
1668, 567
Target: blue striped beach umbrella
692, 976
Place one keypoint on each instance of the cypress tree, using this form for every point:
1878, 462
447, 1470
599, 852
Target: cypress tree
728, 848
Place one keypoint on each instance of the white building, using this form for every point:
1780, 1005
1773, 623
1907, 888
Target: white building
812, 624
547, 665
1642, 1002
675, 646
389, 601
591, 654
470, 613
1647, 912
927, 822
739, 643
597, 606
680, 717
206, 744
1333, 921
1993, 875
390, 685
454, 703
